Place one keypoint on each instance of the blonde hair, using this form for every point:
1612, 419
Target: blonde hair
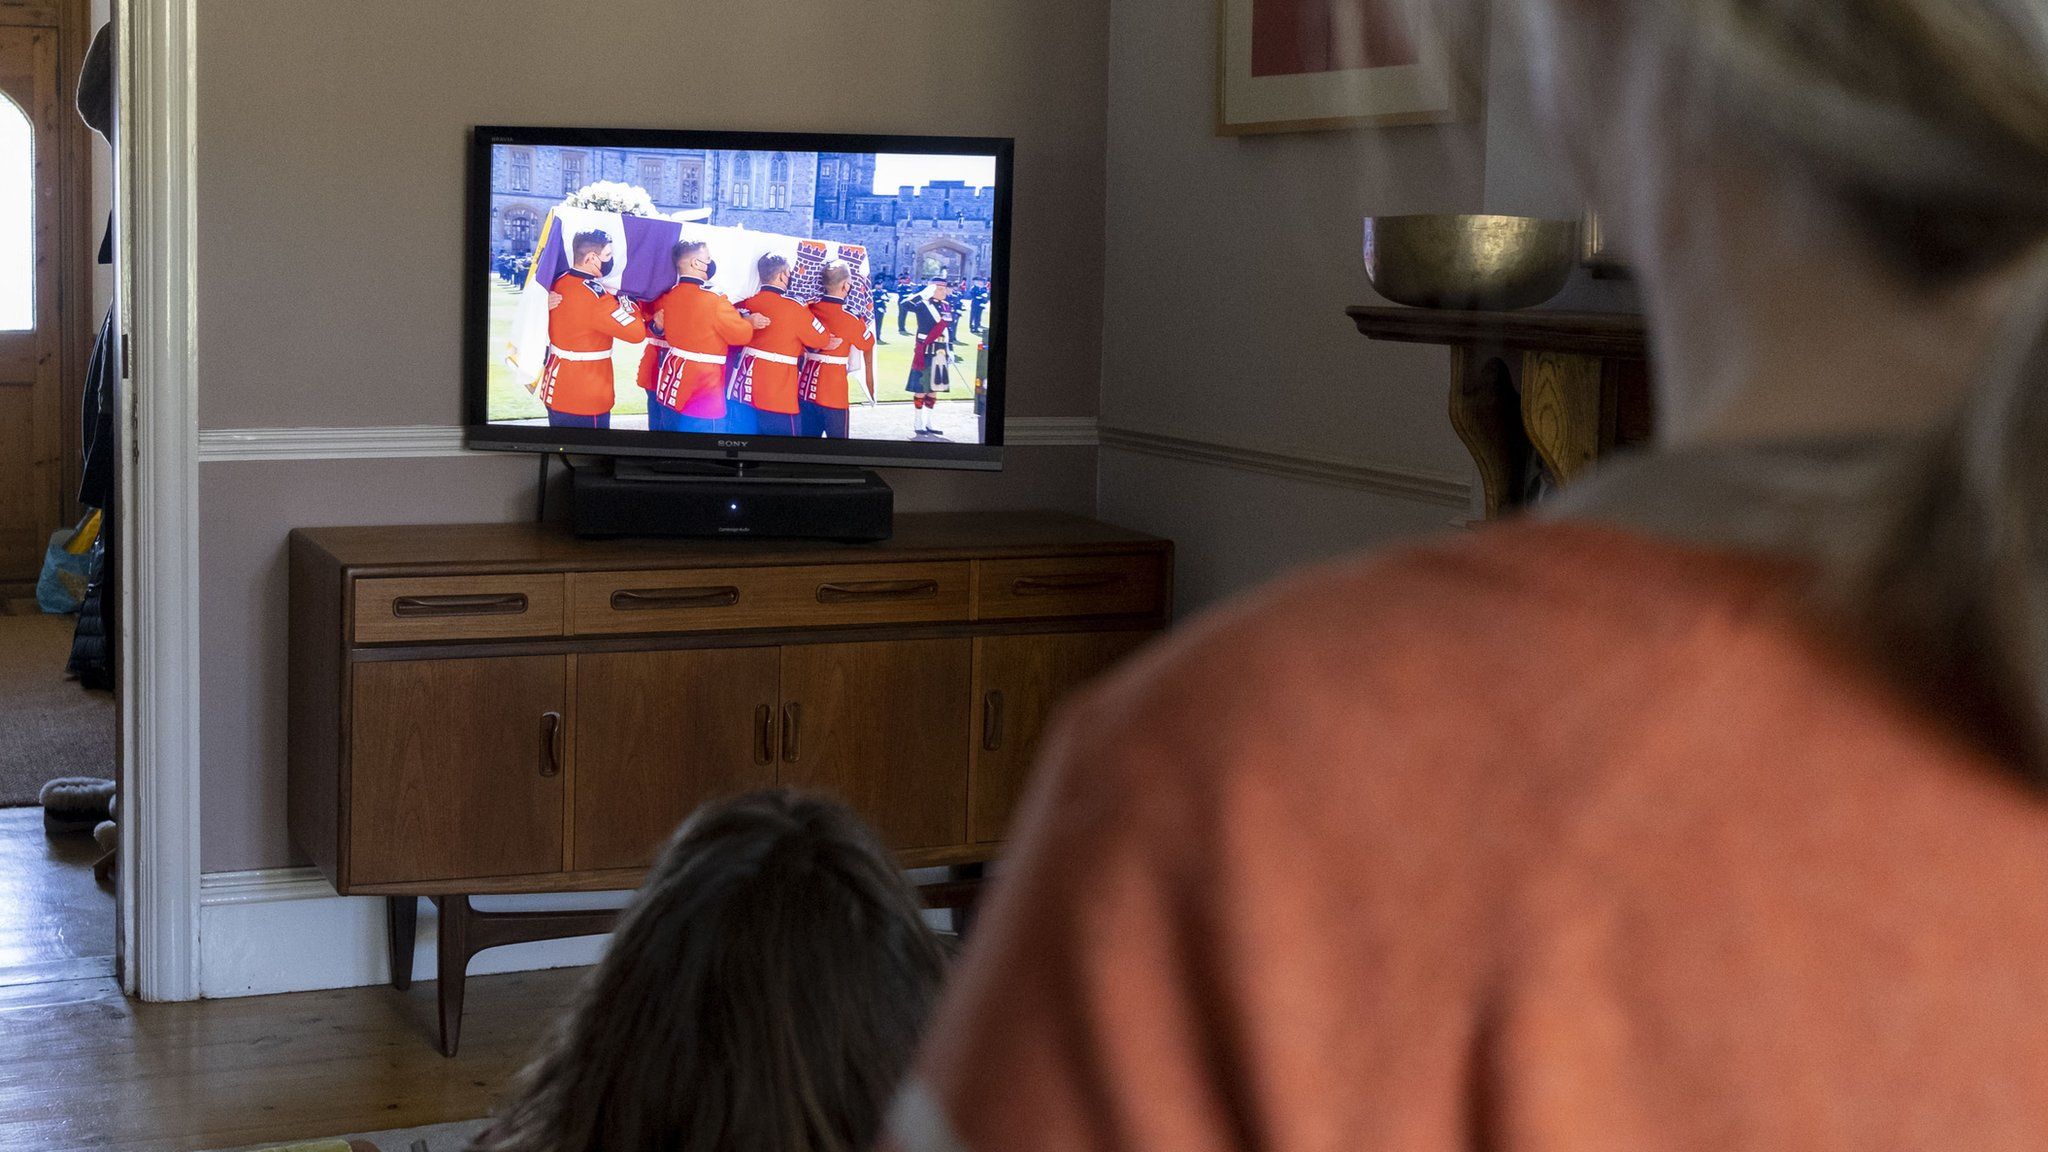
1929, 120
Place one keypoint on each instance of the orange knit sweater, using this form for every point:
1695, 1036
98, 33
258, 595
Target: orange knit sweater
1552, 838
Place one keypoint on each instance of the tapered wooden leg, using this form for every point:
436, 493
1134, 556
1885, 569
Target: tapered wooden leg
1483, 411
452, 968
401, 922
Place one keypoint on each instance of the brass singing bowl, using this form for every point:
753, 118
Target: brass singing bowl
1475, 262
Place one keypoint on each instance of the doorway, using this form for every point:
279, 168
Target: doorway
57, 919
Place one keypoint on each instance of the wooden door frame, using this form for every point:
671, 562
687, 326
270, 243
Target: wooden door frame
157, 475
76, 239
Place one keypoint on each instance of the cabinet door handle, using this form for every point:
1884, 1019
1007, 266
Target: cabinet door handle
867, 590
650, 599
764, 735
1070, 582
414, 607
550, 744
792, 731
992, 721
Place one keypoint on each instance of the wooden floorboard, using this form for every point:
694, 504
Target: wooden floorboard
52, 915
82, 1067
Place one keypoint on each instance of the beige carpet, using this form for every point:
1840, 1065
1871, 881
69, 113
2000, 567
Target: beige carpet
49, 726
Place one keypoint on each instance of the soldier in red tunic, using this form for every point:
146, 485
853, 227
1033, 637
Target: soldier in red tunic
821, 378
762, 394
576, 381
700, 328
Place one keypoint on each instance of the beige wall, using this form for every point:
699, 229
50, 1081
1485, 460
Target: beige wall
1230, 264
332, 148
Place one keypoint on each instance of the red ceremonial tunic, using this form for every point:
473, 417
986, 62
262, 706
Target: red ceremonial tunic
577, 378
822, 376
766, 374
701, 327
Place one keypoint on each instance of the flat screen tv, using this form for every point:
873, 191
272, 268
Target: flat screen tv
740, 296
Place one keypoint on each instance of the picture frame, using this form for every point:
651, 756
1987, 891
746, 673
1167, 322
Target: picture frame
1320, 65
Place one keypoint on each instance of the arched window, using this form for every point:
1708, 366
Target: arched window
778, 181
742, 181
575, 173
520, 175
522, 228
17, 219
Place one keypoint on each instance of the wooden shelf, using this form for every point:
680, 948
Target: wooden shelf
1607, 334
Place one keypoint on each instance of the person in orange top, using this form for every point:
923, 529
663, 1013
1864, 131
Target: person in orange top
821, 378
763, 383
576, 380
700, 328
1705, 808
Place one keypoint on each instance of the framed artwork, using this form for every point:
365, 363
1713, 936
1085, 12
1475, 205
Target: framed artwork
1306, 65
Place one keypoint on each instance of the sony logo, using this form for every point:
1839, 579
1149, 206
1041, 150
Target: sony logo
732, 443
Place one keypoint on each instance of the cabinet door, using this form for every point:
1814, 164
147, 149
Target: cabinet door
657, 734
1019, 681
455, 769
884, 726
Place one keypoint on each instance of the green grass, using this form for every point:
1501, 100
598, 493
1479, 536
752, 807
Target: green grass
509, 399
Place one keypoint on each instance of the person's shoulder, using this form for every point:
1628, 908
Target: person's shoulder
1444, 641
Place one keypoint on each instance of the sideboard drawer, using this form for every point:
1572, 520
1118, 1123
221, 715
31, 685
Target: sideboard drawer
429, 608
720, 599
1052, 586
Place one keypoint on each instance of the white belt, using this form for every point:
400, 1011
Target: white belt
839, 360
771, 357
695, 357
657, 342
565, 354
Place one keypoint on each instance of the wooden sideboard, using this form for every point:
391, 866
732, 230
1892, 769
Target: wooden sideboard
488, 709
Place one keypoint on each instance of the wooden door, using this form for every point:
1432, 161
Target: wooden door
884, 726
457, 769
1019, 681
32, 363
657, 734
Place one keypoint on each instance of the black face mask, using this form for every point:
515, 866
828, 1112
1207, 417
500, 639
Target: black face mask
605, 269
711, 270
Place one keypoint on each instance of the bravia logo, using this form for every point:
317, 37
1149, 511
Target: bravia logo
732, 443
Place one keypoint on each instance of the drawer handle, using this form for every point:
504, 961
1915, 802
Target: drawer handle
764, 735
652, 599
792, 731
992, 721
550, 744
869, 590
1071, 582
418, 607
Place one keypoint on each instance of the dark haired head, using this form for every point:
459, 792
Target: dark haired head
772, 266
587, 243
764, 993
684, 249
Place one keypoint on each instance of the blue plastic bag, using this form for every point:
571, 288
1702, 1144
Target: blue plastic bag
62, 585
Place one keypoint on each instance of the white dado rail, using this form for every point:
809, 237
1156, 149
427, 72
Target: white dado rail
219, 445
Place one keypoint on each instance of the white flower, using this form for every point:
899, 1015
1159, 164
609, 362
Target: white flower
612, 196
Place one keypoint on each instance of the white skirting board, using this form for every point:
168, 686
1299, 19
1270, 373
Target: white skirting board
285, 930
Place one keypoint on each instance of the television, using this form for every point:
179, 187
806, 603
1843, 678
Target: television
616, 303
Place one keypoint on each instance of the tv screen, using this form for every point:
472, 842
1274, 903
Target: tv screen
742, 296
